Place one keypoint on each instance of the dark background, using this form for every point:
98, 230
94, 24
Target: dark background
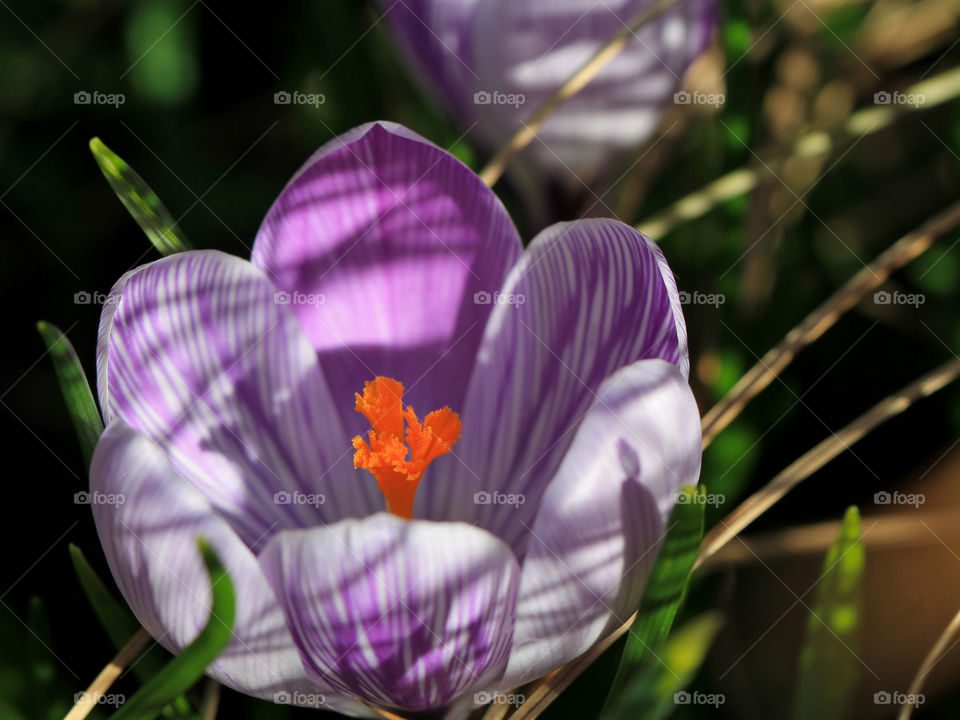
200, 125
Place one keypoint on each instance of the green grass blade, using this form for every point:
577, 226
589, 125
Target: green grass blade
828, 669
658, 688
666, 588
186, 668
75, 388
115, 617
141, 202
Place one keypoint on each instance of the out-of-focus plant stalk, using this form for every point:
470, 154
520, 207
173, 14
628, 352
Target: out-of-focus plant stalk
817, 322
866, 121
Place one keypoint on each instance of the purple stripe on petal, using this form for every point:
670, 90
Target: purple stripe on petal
199, 356
602, 517
587, 299
406, 614
148, 518
381, 242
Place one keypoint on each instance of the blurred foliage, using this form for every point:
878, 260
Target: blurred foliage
198, 121
829, 665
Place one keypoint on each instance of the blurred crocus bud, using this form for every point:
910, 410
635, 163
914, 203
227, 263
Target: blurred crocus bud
492, 63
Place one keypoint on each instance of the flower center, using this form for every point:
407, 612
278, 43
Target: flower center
384, 453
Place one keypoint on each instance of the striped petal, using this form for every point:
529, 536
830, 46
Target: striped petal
435, 35
149, 518
602, 517
406, 614
531, 48
495, 62
587, 299
382, 241
195, 353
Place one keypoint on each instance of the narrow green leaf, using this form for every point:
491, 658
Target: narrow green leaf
666, 588
187, 667
115, 617
75, 388
658, 687
141, 202
828, 669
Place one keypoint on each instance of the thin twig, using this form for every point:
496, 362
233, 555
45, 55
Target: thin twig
587, 72
546, 690
211, 699
866, 121
933, 657
817, 322
811, 461
107, 676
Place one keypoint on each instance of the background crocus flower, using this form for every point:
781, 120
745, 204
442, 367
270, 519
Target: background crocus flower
231, 390
492, 63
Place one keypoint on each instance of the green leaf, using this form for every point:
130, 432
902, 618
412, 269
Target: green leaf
116, 618
666, 588
75, 388
141, 202
658, 687
828, 669
187, 667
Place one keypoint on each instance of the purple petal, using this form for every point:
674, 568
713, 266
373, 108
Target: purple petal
587, 299
602, 517
527, 50
197, 355
436, 35
531, 48
391, 237
149, 519
402, 613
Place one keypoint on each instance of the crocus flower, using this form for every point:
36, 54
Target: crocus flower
434, 463
492, 63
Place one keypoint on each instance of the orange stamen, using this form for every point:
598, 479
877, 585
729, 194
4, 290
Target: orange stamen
384, 453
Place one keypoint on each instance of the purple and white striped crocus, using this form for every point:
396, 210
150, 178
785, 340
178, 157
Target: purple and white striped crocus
492, 63
386, 268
